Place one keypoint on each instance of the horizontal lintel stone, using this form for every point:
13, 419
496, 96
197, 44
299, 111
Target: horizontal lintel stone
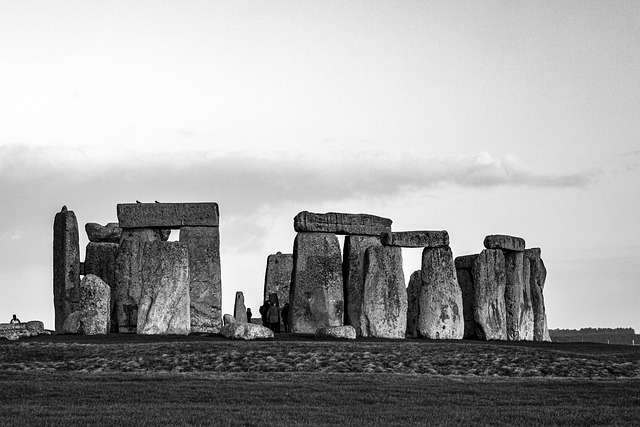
341, 223
507, 243
168, 215
416, 239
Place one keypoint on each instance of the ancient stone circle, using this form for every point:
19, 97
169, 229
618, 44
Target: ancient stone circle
136, 281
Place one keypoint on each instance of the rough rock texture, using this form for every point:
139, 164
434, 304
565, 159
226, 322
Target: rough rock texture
345, 332
507, 243
66, 265
100, 259
441, 315
416, 239
14, 331
109, 233
526, 309
94, 309
277, 277
384, 300
537, 280
35, 326
239, 309
145, 234
341, 223
489, 283
167, 215
246, 331
164, 299
227, 318
205, 289
413, 303
129, 263
513, 295
464, 266
316, 298
353, 273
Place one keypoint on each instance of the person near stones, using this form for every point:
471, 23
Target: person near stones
249, 314
274, 317
14, 320
285, 317
264, 313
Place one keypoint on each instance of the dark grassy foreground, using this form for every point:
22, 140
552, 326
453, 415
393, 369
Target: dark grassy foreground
130, 380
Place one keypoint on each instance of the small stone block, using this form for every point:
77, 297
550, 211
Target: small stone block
506, 243
341, 223
168, 215
416, 239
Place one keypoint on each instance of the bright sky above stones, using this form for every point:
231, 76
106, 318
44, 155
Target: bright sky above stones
478, 118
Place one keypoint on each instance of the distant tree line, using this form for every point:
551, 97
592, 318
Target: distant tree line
601, 335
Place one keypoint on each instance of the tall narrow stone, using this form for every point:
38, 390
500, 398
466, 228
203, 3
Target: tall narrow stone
441, 315
513, 296
277, 277
66, 265
239, 309
316, 295
413, 303
354, 276
100, 259
489, 285
537, 280
526, 308
464, 266
205, 287
163, 307
384, 300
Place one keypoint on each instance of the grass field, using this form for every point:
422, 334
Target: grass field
297, 380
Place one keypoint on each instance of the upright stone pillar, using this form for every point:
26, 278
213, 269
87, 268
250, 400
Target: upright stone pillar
100, 260
489, 283
316, 295
384, 300
441, 315
66, 265
526, 308
277, 277
206, 285
538, 276
353, 271
239, 309
464, 267
413, 303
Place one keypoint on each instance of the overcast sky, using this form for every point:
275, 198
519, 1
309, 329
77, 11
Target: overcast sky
479, 118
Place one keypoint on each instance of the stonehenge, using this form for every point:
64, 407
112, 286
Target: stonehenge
137, 281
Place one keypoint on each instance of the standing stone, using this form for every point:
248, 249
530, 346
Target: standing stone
513, 296
227, 318
464, 266
354, 276
205, 287
239, 309
416, 239
100, 259
92, 317
109, 233
489, 283
441, 315
538, 276
316, 295
526, 309
277, 277
66, 265
164, 300
413, 303
341, 223
384, 300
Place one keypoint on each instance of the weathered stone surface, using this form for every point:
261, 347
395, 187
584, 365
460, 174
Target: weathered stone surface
93, 314
164, 300
129, 263
66, 265
145, 234
513, 295
277, 278
489, 283
316, 298
413, 303
167, 215
526, 309
109, 233
205, 288
354, 273
341, 223
441, 315
239, 309
35, 326
416, 239
464, 266
345, 332
504, 242
384, 300
538, 276
227, 318
100, 259
14, 331
246, 331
